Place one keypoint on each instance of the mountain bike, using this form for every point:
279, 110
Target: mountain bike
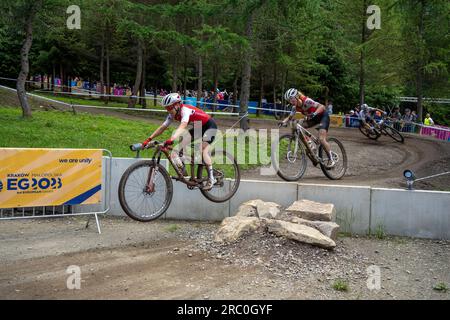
382, 128
292, 150
146, 188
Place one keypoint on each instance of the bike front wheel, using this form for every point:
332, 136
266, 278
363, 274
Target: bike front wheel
339, 156
371, 135
393, 133
226, 173
289, 158
136, 201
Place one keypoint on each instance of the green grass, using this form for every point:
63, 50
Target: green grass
58, 129
380, 232
172, 228
442, 287
340, 285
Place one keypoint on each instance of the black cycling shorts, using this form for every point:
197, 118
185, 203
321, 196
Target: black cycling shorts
209, 131
323, 119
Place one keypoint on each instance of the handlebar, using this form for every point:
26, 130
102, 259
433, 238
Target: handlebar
139, 147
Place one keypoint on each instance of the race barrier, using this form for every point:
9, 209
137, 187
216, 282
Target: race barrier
42, 183
360, 209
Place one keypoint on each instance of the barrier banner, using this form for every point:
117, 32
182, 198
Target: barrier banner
49, 177
336, 121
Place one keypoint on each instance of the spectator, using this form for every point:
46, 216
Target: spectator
414, 116
428, 121
330, 107
407, 117
396, 115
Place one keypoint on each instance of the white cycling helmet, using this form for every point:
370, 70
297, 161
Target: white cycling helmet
291, 93
364, 107
170, 99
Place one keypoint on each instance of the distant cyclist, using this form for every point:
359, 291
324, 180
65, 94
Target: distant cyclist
315, 113
187, 114
366, 116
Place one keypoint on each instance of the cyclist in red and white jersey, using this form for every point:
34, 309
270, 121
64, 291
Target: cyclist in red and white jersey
315, 113
187, 114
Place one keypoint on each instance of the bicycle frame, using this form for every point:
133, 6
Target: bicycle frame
300, 132
192, 182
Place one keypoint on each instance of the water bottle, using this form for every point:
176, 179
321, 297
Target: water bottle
178, 162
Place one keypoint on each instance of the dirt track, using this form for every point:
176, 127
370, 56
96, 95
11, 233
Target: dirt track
178, 260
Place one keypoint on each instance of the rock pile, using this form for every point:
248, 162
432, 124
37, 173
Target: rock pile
304, 221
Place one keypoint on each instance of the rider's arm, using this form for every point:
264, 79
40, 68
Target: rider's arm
291, 115
158, 131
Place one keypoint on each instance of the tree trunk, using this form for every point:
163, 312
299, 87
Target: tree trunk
48, 82
362, 56
235, 90
53, 77
261, 93
419, 74
61, 77
216, 84
185, 73
108, 80
143, 101
274, 85
175, 74
25, 64
246, 75
102, 63
200, 79
137, 82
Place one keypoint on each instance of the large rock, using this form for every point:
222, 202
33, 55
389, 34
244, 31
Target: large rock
246, 210
234, 227
311, 210
253, 203
299, 232
268, 210
329, 229
259, 208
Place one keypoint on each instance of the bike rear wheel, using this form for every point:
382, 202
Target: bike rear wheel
139, 204
227, 174
393, 133
339, 156
291, 163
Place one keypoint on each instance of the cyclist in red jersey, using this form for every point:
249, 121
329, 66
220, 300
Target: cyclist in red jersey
187, 114
315, 113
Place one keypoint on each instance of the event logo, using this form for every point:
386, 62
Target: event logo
24, 184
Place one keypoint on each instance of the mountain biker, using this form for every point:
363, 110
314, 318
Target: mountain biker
315, 113
187, 114
366, 116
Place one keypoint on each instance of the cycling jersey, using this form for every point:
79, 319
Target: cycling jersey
308, 106
367, 114
188, 114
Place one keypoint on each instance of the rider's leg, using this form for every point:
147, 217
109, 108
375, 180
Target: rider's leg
208, 138
186, 140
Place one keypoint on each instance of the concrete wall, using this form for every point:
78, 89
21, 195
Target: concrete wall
424, 214
352, 204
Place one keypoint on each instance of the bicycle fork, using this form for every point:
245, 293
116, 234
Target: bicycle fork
150, 185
